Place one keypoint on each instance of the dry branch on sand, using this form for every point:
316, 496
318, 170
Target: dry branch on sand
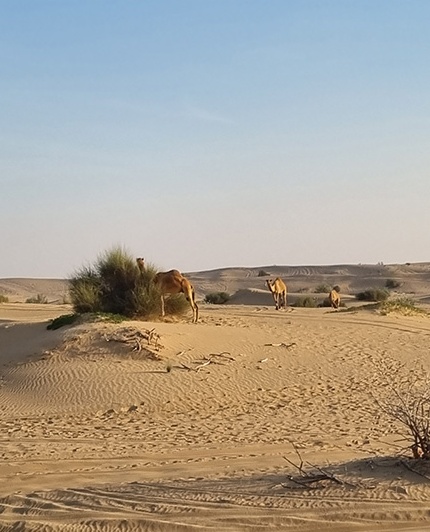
407, 401
282, 344
307, 479
134, 337
212, 358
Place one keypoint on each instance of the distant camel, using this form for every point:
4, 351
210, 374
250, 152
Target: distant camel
279, 292
334, 297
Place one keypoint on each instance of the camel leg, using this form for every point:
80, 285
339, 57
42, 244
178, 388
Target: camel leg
162, 305
192, 301
195, 311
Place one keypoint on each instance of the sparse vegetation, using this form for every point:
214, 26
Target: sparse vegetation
402, 305
263, 273
392, 283
373, 294
115, 285
407, 401
4, 299
309, 302
61, 321
322, 289
39, 299
217, 298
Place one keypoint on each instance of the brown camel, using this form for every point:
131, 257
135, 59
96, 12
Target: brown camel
173, 282
279, 292
334, 297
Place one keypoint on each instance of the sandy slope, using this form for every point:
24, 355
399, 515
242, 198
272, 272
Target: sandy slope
96, 436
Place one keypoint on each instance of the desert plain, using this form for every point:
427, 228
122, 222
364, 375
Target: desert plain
250, 420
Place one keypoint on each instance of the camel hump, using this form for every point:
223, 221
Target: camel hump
173, 273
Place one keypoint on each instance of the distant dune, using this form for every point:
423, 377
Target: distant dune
414, 279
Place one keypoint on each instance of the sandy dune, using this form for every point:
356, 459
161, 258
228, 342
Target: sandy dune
98, 434
414, 280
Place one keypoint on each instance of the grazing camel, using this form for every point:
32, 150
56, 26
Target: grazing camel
173, 282
279, 292
334, 297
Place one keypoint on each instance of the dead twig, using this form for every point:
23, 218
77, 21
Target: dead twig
134, 338
211, 359
204, 364
184, 366
307, 478
224, 354
282, 344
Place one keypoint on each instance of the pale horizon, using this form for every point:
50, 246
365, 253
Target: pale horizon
219, 134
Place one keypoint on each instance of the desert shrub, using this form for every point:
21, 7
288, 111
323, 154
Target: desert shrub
392, 283
309, 302
322, 289
406, 400
40, 299
401, 304
373, 294
85, 290
4, 299
263, 273
61, 321
115, 285
217, 298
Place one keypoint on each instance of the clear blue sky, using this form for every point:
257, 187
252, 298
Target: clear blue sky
212, 133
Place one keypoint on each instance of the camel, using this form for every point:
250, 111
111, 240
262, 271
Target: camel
279, 292
141, 264
173, 282
334, 297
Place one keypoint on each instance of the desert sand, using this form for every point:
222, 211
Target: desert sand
206, 426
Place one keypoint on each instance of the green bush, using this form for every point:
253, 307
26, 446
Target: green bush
309, 302
115, 285
322, 289
217, 298
61, 321
4, 299
40, 299
373, 294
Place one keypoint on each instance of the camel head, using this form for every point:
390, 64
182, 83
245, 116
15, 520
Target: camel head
270, 284
140, 263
